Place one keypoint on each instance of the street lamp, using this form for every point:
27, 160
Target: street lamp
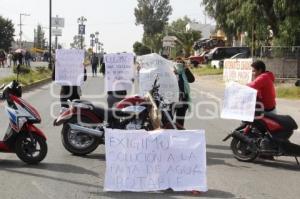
92, 36
81, 29
21, 14
96, 40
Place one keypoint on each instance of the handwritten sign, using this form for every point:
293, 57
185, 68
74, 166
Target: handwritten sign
153, 65
156, 160
238, 70
69, 69
118, 71
239, 102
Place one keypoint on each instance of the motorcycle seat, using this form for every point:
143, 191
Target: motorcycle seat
286, 121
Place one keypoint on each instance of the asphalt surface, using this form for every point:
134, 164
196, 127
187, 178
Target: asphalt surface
62, 175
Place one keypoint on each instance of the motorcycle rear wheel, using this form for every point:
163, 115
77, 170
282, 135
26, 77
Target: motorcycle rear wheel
78, 144
31, 148
242, 151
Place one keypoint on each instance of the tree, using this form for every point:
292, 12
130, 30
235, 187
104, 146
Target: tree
39, 41
153, 15
6, 33
140, 49
186, 41
77, 42
178, 26
258, 18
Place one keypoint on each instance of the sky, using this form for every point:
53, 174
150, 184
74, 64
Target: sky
113, 19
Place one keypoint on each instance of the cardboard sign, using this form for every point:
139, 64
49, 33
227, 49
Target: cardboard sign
238, 70
239, 102
69, 68
153, 65
155, 160
118, 71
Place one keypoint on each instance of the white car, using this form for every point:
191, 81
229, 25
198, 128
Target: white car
219, 63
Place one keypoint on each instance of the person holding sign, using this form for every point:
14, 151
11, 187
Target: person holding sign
118, 76
264, 84
69, 72
185, 77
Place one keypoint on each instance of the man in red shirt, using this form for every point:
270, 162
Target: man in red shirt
264, 84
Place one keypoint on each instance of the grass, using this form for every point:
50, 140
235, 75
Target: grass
39, 73
290, 92
206, 70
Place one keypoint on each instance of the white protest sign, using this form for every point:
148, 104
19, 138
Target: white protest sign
155, 160
153, 65
69, 68
238, 70
118, 71
239, 102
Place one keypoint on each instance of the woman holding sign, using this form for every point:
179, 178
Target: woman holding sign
185, 77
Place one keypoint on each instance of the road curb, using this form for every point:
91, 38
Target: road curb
36, 84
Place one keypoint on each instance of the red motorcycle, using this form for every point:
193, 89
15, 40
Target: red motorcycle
22, 137
268, 135
84, 123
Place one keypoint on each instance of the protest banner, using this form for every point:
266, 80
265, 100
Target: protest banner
69, 68
153, 65
155, 160
239, 102
238, 70
118, 71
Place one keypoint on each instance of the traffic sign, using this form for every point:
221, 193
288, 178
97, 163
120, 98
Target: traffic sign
58, 22
57, 32
81, 29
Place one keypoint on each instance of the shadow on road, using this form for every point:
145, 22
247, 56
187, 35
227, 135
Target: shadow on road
279, 164
212, 193
219, 147
97, 156
56, 167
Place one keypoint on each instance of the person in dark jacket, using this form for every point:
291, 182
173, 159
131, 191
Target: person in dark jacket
185, 77
94, 62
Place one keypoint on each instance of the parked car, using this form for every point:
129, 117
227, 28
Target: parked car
196, 60
220, 53
220, 63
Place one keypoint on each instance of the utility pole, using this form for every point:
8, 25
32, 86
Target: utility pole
21, 14
50, 34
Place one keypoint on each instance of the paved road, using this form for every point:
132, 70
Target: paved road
62, 175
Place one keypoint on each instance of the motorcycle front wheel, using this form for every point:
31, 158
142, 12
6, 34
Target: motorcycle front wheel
78, 143
242, 151
31, 148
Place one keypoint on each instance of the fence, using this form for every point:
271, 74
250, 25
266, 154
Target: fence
283, 61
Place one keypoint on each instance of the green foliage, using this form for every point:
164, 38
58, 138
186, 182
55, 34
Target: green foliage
258, 18
22, 70
77, 42
29, 78
291, 92
186, 39
207, 70
153, 15
140, 49
154, 41
6, 33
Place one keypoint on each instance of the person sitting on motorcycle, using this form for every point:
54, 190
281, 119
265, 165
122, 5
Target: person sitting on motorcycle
264, 84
